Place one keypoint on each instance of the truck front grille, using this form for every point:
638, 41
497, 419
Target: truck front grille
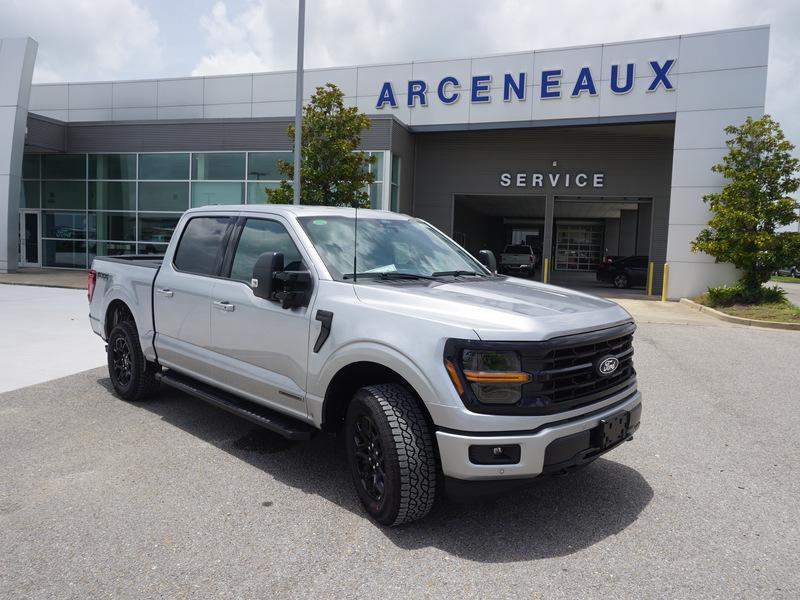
567, 377
564, 370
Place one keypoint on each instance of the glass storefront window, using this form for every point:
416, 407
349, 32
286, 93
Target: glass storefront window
112, 195
112, 166
30, 166
377, 166
375, 194
205, 193
64, 166
394, 200
164, 195
157, 227
257, 191
164, 166
64, 225
64, 194
64, 253
264, 165
121, 203
30, 194
218, 166
112, 226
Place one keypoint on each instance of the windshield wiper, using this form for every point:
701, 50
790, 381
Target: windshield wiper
458, 273
388, 275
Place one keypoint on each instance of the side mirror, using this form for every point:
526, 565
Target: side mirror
271, 282
487, 259
264, 270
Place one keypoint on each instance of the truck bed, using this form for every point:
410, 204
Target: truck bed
151, 261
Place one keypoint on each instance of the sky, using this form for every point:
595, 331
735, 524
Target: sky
90, 40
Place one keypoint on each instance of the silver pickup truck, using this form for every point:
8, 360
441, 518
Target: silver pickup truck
442, 375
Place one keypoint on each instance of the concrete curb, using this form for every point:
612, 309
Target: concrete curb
739, 320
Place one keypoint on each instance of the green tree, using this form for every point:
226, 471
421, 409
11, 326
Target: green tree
755, 202
334, 172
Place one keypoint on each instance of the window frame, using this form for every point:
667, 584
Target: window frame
233, 246
226, 238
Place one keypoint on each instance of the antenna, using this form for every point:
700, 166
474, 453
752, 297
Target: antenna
355, 245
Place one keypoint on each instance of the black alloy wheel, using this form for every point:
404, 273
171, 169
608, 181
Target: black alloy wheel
369, 458
621, 280
121, 358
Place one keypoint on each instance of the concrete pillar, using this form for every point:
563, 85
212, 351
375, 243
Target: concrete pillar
17, 57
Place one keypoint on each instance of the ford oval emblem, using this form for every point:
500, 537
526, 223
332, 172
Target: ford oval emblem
607, 365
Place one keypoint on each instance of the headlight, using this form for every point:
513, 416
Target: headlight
494, 376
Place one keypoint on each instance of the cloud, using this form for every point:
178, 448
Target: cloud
85, 39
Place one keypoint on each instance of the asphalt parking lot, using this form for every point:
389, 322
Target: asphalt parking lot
173, 499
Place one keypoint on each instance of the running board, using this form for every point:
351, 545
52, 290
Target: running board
255, 413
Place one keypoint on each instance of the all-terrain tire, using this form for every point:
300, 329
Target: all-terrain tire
132, 375
408, 455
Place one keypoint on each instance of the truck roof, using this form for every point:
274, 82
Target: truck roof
298, 211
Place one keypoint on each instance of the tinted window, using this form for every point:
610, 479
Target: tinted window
218, 165
201, 245
164, 166
637, 262
259, 236
518, 249
112, 166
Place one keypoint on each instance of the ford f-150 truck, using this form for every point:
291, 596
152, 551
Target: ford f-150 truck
441, 374
518, 258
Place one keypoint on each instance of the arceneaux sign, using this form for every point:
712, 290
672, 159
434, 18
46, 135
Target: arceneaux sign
449, 89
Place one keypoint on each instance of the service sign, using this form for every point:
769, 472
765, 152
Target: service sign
478, 89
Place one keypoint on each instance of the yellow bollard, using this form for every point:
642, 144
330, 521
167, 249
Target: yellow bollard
546, 270
650, 278
666, 283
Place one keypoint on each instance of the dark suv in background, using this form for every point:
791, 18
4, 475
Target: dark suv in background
624, 272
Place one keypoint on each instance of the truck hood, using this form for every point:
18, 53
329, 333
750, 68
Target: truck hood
502, 308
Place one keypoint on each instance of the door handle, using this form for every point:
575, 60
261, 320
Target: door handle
166, 292
224, 305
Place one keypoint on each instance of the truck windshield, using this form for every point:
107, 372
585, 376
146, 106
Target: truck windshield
387, 249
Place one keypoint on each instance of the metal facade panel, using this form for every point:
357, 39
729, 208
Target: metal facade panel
45, 134
165, 136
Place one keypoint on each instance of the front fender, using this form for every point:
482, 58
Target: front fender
430, 387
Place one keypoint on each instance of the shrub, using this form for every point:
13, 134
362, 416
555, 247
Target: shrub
729, 295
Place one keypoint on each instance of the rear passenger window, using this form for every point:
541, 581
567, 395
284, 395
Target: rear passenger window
202, 245
259, 236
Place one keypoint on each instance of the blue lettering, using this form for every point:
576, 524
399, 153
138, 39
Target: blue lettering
441, 90
386, 95
660, 75
615, 86
517, 87
551, 79
585, 83
417, 89
480, 85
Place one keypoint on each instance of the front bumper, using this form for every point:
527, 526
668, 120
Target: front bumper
454, 446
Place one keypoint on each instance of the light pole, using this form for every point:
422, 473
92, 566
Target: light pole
298, 99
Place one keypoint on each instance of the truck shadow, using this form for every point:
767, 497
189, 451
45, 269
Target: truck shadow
553, 517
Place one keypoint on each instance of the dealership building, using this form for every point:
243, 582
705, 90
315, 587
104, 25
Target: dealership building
582, 152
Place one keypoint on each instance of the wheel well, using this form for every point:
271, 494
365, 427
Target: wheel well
117, 312
348, 381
